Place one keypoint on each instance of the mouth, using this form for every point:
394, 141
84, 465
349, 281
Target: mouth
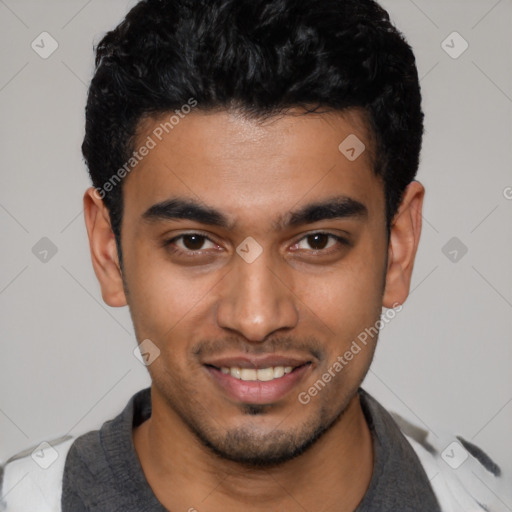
261, 374
258, 382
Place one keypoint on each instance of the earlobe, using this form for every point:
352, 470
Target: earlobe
403, 244
103, 249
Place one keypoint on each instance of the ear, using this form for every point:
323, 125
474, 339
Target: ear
103, 248
403, 243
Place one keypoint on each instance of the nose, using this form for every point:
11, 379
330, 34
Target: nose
256, 301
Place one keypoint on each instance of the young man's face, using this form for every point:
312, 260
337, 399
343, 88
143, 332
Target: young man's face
292, 295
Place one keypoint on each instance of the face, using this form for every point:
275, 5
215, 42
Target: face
254, 254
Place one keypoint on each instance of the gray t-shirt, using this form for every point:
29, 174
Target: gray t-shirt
103, 473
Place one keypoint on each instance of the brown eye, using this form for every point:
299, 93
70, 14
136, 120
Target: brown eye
318, 241
190, 243
193, 242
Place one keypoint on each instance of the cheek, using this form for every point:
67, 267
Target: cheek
351, 304
349, 298
163, 300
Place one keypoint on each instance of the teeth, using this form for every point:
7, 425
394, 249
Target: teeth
248, 374
261, 374
265, 374
278, 372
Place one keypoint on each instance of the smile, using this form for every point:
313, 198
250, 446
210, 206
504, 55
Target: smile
266, 384
260, 374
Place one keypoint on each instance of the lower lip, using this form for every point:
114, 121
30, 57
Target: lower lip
258, 392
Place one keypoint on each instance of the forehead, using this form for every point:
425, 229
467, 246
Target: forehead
252, 169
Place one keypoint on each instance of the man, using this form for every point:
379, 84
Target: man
254, 205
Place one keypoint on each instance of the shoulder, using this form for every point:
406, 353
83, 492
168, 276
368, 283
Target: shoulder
32, 479
464, 478
64, 470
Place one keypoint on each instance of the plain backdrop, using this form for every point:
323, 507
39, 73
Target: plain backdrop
66, 359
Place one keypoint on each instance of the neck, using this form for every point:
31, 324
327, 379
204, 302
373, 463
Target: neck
185, 475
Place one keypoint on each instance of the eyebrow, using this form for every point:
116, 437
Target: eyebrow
180, 208
338, 207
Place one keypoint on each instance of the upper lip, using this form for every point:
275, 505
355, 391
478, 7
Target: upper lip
256, 362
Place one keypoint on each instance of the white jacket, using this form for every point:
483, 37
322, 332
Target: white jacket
462, 481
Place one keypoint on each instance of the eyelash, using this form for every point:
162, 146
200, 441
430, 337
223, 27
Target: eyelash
189, 253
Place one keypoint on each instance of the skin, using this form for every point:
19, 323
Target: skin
292, 300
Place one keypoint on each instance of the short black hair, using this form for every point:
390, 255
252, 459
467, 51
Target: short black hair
262, 57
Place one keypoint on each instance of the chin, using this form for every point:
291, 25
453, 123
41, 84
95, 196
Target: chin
252, 449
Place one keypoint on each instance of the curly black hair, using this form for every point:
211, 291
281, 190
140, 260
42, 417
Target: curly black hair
262, 57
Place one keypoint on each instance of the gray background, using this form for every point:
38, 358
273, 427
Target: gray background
66, 360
